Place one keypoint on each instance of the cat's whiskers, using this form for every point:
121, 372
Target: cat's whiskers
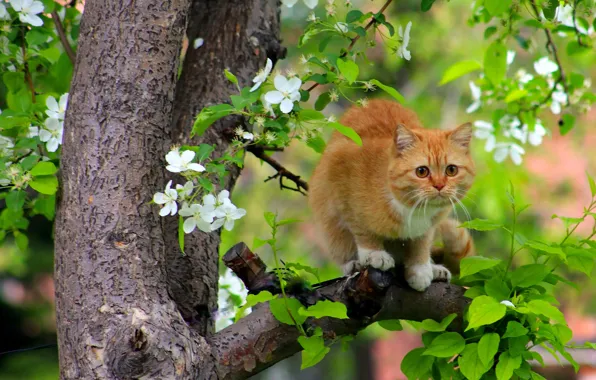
464, 195
454, 210
412, 213
464, 208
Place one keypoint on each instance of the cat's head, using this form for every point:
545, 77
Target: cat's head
431, 166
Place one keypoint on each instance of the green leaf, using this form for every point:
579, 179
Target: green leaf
426, 5
446, 345
581, 260
459, 69
488, 347
280, 310
515, 329
231, 77
15, 200
489, 32
470, 364
44, 168
485, 310
497, 288
9, 122
19, 101
316, 143
45, 184
208, 116
252, 300
432, 325
346, 131
496, 7
258, 243
322, 101
529, 275
307, 115
591, 181
574, 48
314, 350
35, 37
52, 54
14, 80
550, 9
544, 308
306, 268
391, 325
507, 365
566, 124
353, 15
326, 308
515, 95
495, 62
389, 90
540, 246
181, 234
270, 218
481, 225
22, 241
204, 151
475, 264
349, 69
415, 365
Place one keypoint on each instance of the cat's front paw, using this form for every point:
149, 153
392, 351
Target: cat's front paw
440, 273
419, 276
376, 259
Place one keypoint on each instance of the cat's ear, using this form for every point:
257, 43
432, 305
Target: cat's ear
462, 135
404, 138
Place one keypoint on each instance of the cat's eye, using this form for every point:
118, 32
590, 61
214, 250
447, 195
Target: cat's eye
451, 170
422, 172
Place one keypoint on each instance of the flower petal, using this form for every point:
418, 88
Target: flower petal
501, 153
44, 135
223, 196
63, 102
473, 107
238, 213
173, 206
217, 223
52, 124
256, 86
52, 104
159, 198
31, 19
173, 158
286, 106
165, 210
187, 156
52, 145
196, 167
16, 5
229, 224
312, 4
209, 199
294, 84
189, 225
281, 83
173, 169
274, 97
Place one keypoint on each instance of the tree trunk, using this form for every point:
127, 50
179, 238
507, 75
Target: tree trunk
123, 291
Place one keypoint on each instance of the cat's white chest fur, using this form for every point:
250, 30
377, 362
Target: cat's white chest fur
415, 222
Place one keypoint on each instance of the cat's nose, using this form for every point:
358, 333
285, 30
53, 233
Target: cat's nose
438, 186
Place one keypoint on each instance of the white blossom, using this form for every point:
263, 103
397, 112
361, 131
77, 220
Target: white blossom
535, 136
476, 94
227, 214
197, 43
514, 151
267, 106
223, 198
403, 51
33, 132
186, 190
56, 109
248, 136
262, 75
341, 27
559, 98
311, 3
523, 76
51, 134
508, 304
544, 66
287, 92
199, 216
28, 11
230, 288
510, 57
6, 145
485, 131
182, 162
3, 11
168, 200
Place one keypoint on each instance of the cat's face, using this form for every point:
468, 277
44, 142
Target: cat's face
431, 167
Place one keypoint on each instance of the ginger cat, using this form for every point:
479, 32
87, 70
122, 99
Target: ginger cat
399, 185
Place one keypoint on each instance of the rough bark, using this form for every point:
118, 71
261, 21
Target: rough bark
239, 35
115, 318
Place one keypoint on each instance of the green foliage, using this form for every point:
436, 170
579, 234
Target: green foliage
459, 69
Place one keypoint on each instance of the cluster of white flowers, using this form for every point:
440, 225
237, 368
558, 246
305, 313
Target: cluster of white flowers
28, 11
477, 91
53, 127
404, 36
287, 91
207, 217
511, 127
564, 15
231, 293
309, 3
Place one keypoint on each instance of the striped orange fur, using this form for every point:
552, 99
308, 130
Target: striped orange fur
362, 197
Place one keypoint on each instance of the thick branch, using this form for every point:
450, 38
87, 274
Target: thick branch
259, 340
282, 172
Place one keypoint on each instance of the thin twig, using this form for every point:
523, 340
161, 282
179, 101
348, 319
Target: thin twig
576, 29
372, 21
28, 77
282, 172
550, 45
543, 101
62, 35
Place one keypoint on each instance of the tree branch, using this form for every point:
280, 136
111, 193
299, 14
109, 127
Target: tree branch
282, 172
259, 340
62, 35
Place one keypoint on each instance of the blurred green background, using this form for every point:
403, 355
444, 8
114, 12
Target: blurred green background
551, 178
